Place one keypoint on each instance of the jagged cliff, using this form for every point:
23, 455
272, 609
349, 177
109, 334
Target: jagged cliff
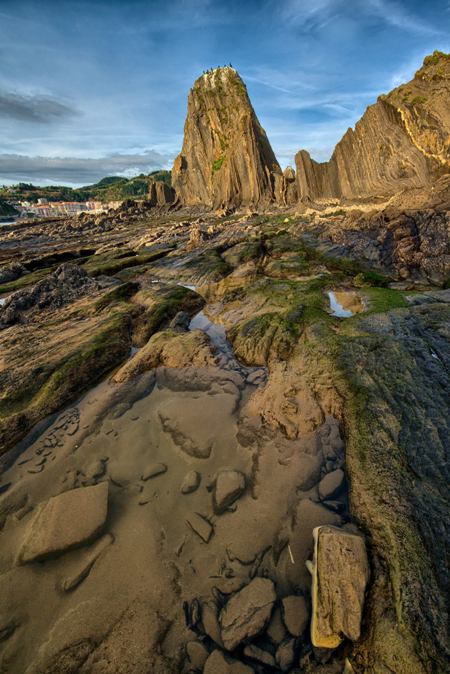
402, 141
226, 159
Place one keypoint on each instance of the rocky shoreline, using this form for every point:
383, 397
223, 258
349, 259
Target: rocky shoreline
223, 460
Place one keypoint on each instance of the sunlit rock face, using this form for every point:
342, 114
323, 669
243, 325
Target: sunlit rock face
402, 141
226, 160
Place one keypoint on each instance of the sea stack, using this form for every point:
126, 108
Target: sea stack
226, 160
401, 142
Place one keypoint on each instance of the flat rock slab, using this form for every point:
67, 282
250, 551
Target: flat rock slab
230, 485
247, 612
219, 663
66, 521
340, 573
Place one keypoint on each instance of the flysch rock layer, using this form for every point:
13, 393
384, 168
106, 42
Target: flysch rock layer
226, 160
402, 141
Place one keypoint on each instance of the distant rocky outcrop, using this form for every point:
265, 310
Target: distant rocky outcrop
160, 194
401, 142
226, 160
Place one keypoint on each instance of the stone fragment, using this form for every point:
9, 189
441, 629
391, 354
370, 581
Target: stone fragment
340, 572
210, 620
276, 629
285, 655
200, 525
153, 470
230, 485
247, 612
191, 482
219, 663
331, 484
259, 654
197, 654
84, 568
66, 521
295, 614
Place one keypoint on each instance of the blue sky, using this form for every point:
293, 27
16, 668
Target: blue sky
94, 88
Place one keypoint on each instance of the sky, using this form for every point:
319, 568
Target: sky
99, 87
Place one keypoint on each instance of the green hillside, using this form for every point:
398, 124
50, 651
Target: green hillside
111, 188
6, 209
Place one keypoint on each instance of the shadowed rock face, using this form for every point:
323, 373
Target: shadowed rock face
226, 159
400, 142
160, 194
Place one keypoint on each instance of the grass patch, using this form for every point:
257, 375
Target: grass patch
119, 293
384, 299
99, 265
217, 164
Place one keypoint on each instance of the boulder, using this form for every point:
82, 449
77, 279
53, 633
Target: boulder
340, 572
66, 521
247, 612
295, 614
331, 485
219, 663
230, 485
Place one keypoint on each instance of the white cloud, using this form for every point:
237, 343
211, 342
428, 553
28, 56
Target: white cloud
76, 170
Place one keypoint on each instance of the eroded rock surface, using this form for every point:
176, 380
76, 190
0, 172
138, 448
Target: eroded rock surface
413, 122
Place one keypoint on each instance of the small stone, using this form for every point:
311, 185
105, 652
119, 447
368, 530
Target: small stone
259, 654
219, 663
153, 470
331, 484
247, 612
197, 654
200, 525
295, 614
230, 485
285, 655
191, 482
276, 629
256, 377
66, 521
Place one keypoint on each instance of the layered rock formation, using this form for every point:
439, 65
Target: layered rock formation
226, 160
160, 194
402, 141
